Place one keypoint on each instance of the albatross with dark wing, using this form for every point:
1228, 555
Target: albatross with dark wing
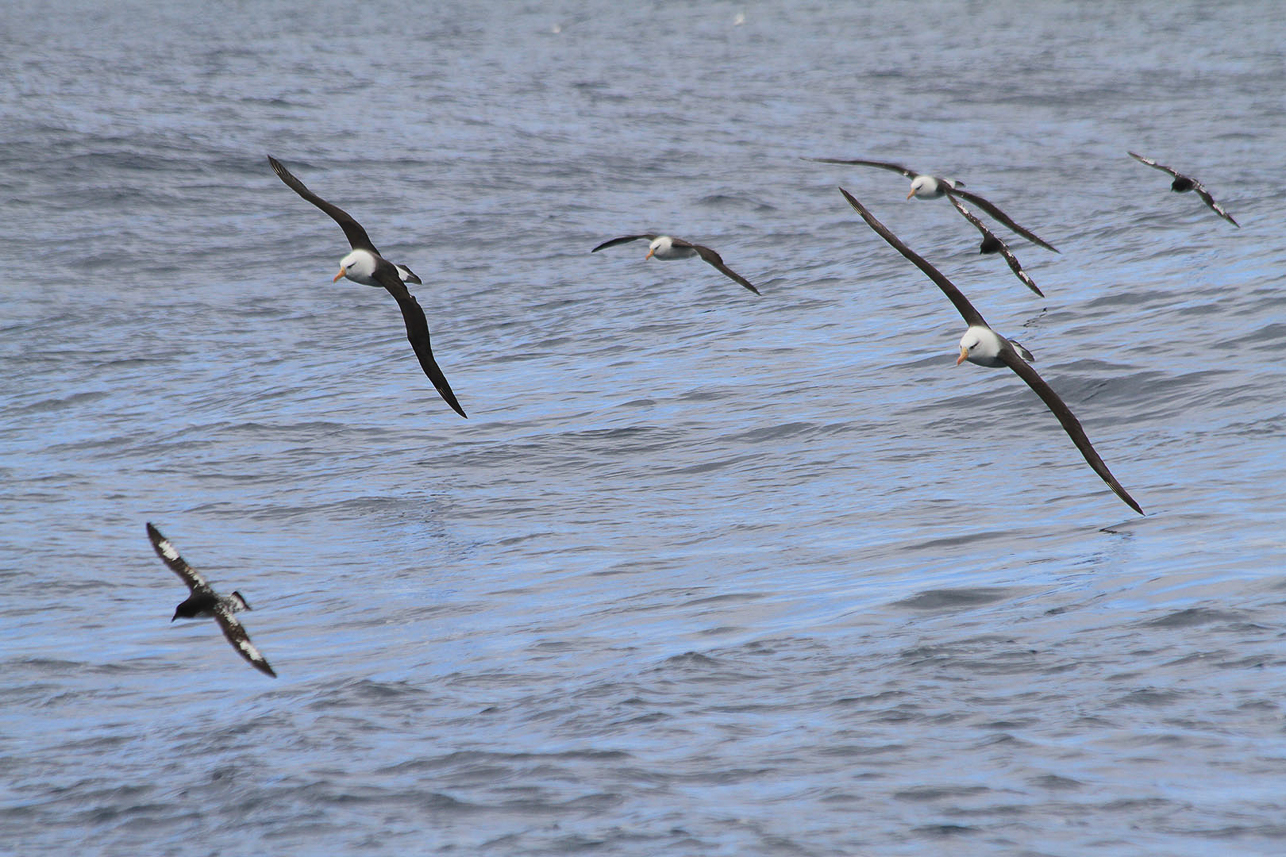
1182, 184
669, 247
984, 347
365, 265
931, 187
204, 602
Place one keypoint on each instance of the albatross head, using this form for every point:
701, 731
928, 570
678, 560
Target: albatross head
660, 247
925, 187
981, 346
358, 266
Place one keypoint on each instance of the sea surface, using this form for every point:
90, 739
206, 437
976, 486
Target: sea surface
703, 573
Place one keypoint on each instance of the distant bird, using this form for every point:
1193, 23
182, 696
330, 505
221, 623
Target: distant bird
992, 244
982, 346
1182, 184
365, 265
204, 602
669, 247
932, 187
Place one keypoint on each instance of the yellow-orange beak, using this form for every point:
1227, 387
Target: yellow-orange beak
910, 193
648, 256
964, 355
337, 276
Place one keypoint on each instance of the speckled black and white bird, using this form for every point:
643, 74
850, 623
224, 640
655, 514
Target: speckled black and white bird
1183, 184
982, 346
204, 602
925, 186
669, 247
992, 244
365, 265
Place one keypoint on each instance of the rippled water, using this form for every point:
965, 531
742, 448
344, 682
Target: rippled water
703, 573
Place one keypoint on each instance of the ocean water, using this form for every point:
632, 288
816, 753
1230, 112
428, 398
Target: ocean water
703, 573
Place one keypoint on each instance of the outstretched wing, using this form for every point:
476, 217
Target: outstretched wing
884, 165
417, 332
240, 640
1209, 200
713, 258
1070, 424
995, 212
170, 556
989, 239
356, 235
957, 298
1154, 165
622, 240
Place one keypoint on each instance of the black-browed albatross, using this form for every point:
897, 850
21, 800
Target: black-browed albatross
365, 265
1183, 184
932, 187
204, 602
992, 244
669, 247
984, 347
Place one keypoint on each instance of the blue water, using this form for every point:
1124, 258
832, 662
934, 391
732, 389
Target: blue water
703, 572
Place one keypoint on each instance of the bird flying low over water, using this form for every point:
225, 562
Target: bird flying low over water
669, 247
365, 265
931, 187
1182, 184
204, 602
984, 347
992, 244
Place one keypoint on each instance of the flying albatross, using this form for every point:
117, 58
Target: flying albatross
983, 346
365, 265
931, 187
1182, 184
204, 602
669, 247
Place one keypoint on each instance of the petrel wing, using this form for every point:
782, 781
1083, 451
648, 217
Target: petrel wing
1209, 200
170, 556
1154, 165
1001, 246
240, 640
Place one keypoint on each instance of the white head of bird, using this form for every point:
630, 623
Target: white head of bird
358, 266
925, 187
662, 247
981, 346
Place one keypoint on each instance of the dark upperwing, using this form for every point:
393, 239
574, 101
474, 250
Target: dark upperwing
713, 258
356, 235
622, 240
417, 332
957, 298
1070, 424
995, 212
884, 165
